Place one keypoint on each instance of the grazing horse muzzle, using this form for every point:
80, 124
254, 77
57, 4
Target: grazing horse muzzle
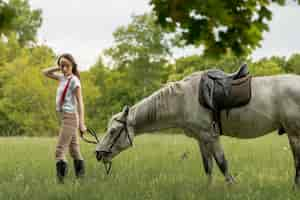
105, 155
102, 155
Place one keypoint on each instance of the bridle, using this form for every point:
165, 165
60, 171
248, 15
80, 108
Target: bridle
108, 165
93, 133
125, 128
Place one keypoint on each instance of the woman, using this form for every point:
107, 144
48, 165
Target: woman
69, 104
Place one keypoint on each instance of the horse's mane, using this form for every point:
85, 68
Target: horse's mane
157, 105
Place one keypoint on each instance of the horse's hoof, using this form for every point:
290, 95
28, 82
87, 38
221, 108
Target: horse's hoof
296, 187
297, 184
230, 180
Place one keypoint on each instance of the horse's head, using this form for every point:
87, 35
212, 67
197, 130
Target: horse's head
118, 137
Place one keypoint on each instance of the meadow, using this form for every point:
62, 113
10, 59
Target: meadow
154, 168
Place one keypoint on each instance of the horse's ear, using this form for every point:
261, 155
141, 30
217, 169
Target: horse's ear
125, 111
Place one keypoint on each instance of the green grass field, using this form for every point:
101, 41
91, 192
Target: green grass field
153, 169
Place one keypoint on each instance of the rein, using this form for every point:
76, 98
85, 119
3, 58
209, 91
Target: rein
91, 131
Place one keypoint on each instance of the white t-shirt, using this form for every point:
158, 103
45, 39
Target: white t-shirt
70, 103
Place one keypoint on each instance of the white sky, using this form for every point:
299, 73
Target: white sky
84, 28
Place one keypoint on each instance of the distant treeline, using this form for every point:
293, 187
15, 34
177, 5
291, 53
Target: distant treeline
140, 62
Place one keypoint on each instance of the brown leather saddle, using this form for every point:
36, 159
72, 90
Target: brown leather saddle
221, 91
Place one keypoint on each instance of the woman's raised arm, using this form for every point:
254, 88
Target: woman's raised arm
50, 72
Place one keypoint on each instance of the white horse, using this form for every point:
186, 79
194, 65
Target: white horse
275, 104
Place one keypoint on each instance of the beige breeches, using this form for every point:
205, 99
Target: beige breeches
68, 137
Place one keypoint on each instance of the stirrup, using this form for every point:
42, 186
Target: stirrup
215, 129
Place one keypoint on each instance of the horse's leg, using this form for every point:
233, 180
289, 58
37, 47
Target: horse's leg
295, 146
207, 159
219, 156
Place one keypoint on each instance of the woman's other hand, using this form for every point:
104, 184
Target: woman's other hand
82, 128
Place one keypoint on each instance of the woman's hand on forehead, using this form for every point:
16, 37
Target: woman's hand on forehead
65, 62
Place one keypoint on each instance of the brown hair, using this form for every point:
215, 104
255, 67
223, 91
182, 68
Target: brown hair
70, 58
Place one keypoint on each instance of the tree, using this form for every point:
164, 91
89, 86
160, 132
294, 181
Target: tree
141, 51
26, 96
137, 67
7, 14
280, 61
187, 65
17, 16
293, 64
219, 25
91, 95
266, 66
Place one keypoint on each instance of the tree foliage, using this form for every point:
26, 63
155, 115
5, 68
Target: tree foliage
293, 64
24, 93
218, 25
16, 16
139, 55
138, 66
